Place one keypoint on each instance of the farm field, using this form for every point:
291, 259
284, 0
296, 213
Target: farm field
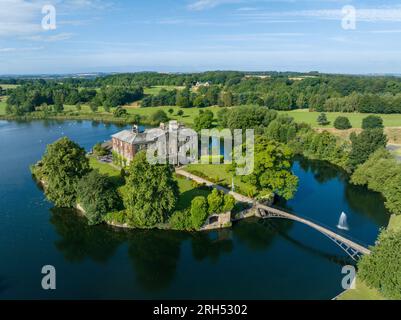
187, 117
390, 120
2, 106
9, 86
156, 89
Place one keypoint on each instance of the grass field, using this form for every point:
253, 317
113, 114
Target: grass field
188, 192
156, 89
187, 118
2, 107
390, 120
8, 86
361, 292
219, 174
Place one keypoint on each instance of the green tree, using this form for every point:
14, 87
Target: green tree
272, 170
170, 111
98, 196
63, 164
94, 106
322, 120
180, 113
158, 117
199, 212
215, 201
229, 203
364, 144
136, 119
342, 123
183, 98
151, 194
372, 122
382, 268
120, 112
204, 120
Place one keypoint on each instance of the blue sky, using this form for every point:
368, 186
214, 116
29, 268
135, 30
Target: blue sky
197, 35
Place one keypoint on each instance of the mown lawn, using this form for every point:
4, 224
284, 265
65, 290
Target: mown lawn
104, 168
390, 120
2, 107
219, 174
187, 192
187, 118
361, 292
9, 86
156, 89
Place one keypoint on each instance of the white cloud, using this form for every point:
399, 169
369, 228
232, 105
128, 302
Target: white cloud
383, 13
50, 38
208, 4
23, 17
19, 17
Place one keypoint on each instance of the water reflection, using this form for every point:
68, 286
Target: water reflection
79, 242
322, 171
367, 204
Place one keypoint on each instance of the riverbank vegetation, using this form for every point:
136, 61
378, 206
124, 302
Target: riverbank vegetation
382, 268
141, 196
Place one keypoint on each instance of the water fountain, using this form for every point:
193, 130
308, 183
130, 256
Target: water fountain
343, 223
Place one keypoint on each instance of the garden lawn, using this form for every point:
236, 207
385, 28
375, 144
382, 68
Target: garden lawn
187, 192
390, 120
362, 292
219, 174
2, 107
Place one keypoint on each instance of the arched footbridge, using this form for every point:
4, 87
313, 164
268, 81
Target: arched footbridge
351, 248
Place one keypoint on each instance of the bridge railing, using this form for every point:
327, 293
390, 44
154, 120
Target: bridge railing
330, 228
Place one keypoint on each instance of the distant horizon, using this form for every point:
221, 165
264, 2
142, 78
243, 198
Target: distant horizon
79, 36
105, 73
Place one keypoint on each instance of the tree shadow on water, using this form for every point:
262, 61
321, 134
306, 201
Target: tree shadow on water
79, 241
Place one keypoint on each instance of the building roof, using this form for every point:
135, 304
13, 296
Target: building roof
133, 137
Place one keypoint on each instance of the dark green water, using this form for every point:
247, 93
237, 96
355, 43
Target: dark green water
254, 260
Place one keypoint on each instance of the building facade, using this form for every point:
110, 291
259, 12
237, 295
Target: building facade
128, 143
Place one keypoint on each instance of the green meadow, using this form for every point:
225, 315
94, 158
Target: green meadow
156, 89
390, 120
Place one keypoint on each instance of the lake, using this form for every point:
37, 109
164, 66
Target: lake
256, 259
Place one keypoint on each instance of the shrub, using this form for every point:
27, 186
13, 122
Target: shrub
215, 201
372, 122
158, 117
382, 268
120, 112
181, 220
322, 120
99, 151
116, 217
199, 212
342, 123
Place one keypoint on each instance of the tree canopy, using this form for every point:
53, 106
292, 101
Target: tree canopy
272, 170
151, 193
63, 164
98, 196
